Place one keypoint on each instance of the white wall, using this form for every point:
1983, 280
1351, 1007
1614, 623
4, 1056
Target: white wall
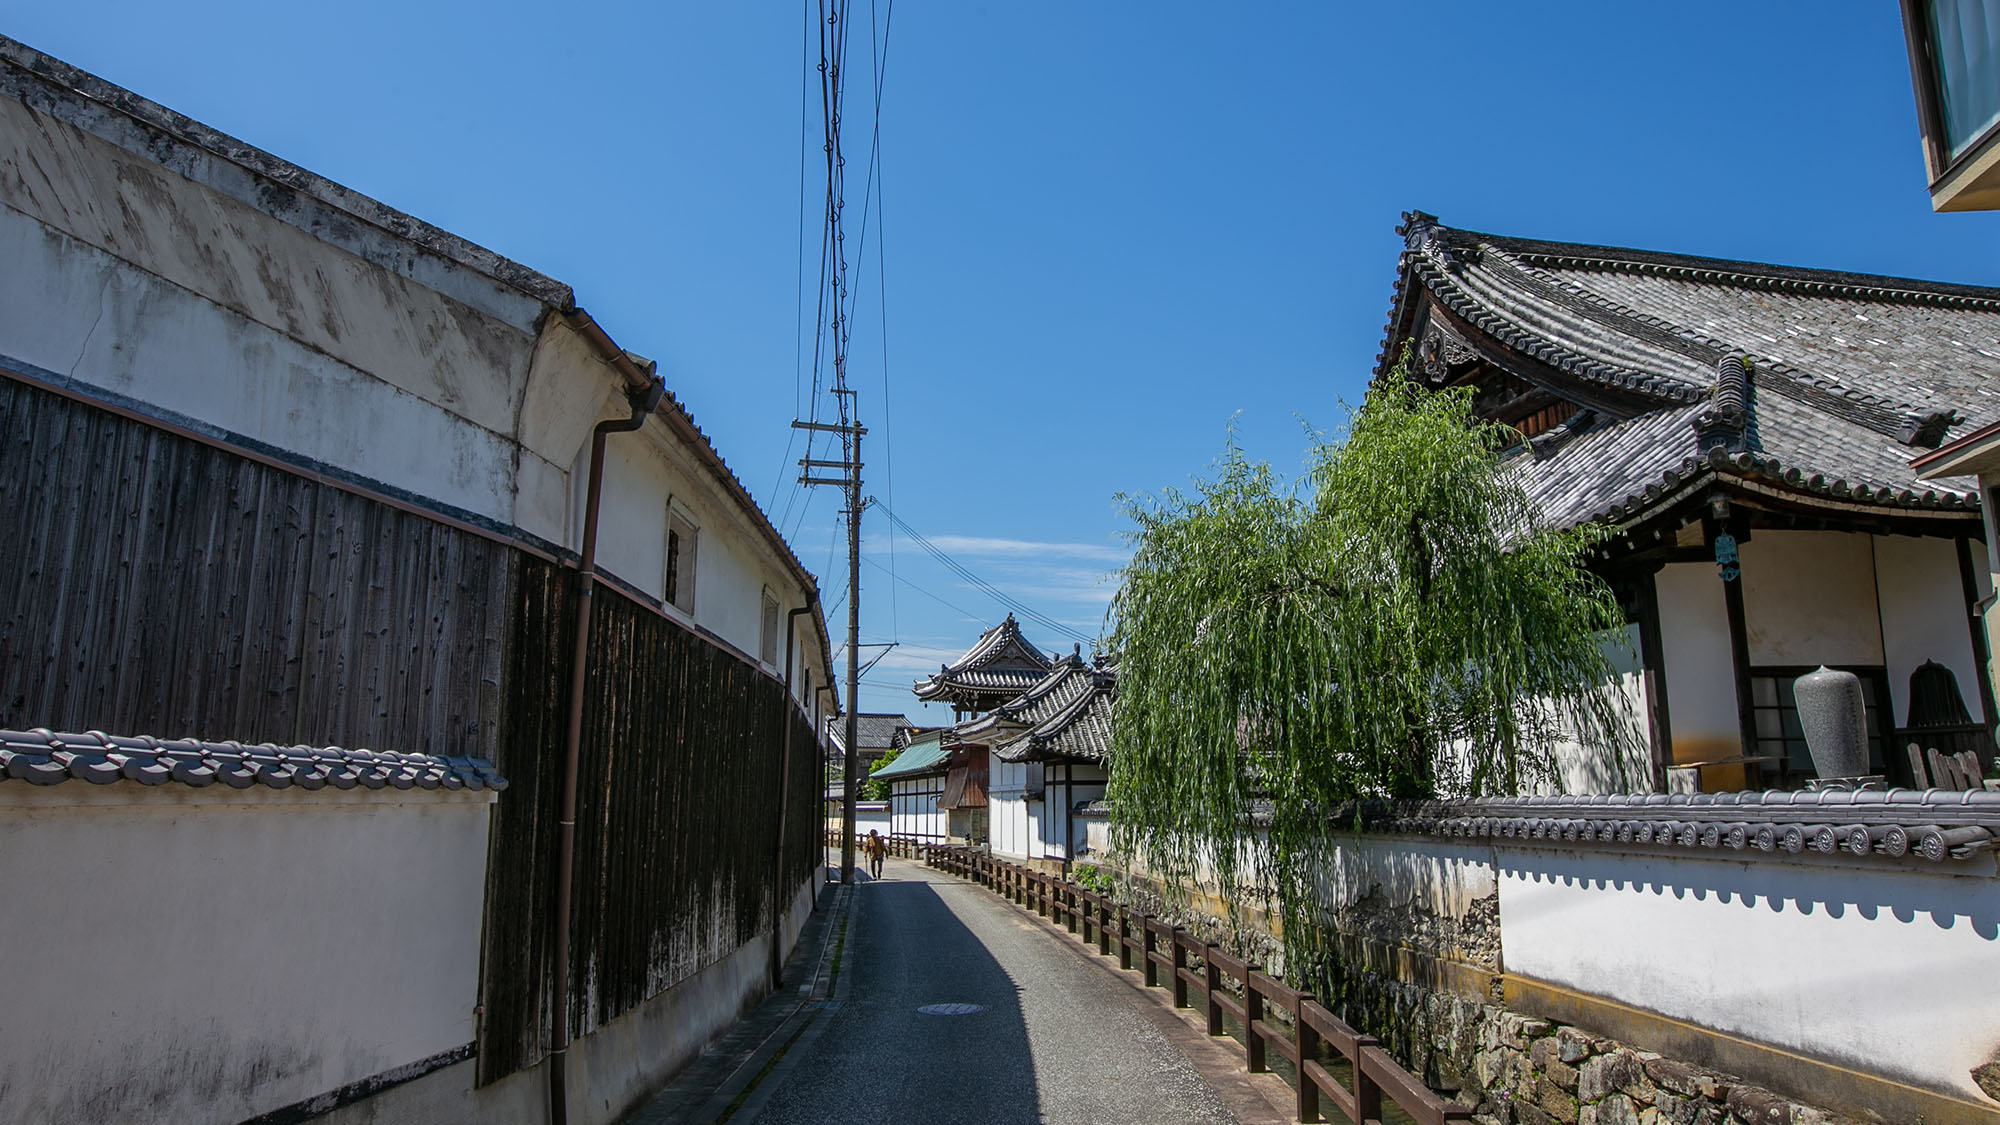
1889, 971
1924, 618
1809, 599
215, 954
196, 291
1700, 672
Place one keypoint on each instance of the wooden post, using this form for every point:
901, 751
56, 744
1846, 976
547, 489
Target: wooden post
1152, 970
1124, 933
1367, 1095
1253, 1010
1103, 938
1210, 987
1180, 966
1308, 1051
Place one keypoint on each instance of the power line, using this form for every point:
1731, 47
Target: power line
989, 589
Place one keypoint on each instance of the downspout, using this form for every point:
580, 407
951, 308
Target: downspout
644, 392
785, 789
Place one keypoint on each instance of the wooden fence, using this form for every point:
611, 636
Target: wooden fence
1335, 1066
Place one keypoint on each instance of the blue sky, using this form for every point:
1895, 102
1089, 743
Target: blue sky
1108, 228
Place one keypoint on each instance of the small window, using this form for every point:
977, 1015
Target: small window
681, 542
767, 649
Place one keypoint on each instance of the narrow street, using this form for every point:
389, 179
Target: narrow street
1053, 1038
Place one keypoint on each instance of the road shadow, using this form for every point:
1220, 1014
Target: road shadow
882, 1058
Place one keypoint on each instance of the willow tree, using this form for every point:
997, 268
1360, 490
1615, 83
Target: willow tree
1397, 624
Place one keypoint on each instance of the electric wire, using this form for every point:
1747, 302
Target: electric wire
1010, 602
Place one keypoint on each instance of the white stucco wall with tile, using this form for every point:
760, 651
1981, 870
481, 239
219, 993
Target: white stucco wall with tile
213, 954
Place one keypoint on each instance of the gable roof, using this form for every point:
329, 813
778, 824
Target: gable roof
1813, 386
1001, 663
873, 730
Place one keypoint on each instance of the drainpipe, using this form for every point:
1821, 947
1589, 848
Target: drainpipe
785, 787
644, 392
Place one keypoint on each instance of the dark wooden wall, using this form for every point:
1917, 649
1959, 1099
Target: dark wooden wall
678, 795
153, 583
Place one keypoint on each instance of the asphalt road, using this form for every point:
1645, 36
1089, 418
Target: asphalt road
1055, 1038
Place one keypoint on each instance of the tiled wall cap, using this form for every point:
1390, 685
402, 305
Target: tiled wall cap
43, 757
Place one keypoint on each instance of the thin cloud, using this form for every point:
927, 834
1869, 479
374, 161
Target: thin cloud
980, 546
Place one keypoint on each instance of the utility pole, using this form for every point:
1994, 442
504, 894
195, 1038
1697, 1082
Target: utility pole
849, 468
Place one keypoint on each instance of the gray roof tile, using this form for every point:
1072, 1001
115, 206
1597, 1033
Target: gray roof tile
44, 757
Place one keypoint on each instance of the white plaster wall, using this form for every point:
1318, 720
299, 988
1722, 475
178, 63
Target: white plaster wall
1887, 971
1600, 769
1809, 599
215, 954
1007, 803
1437, 876
1700, 672
1924, 617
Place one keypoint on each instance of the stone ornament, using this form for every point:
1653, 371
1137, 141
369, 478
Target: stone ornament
1835, 721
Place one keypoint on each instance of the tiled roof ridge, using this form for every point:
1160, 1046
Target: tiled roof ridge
1057, 675
1885, 416
990, 644
1756, 465
1802, 280
1435, 275
43, 757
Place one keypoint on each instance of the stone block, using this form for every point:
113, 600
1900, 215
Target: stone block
1542, 1052
1518, 1031
1619, 1071
1614, 1110
1572, 1046
1528, 1113
1676, 1076
1561, 1073
1758, 1107
1489, 1068
1557, 1102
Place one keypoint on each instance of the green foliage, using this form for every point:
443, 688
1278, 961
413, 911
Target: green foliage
1394, 626
872, 789
1093, 878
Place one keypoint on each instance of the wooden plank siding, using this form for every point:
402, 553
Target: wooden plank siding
152, 582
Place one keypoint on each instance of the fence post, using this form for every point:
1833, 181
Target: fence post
1253, 1010
1124, 932
1103, 939
1180, 966
1367, 1095
1210, 987
1308, 1051
1152, 970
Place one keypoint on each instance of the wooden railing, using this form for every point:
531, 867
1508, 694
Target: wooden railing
1268, 1014
902, 847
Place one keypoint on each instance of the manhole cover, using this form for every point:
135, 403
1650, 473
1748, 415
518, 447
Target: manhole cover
951, 1009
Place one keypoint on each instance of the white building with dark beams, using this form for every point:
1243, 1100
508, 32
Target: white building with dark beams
1747, 432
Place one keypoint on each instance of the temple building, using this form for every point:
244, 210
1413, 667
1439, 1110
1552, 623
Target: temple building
1000, 666
1746, 432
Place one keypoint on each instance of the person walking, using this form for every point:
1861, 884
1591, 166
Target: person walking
877, 848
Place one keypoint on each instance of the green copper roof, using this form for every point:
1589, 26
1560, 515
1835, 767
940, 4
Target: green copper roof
925, 753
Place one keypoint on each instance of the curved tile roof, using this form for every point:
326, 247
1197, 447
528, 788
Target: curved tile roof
44, 757
1001, 661
1079, 729
1849, 376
